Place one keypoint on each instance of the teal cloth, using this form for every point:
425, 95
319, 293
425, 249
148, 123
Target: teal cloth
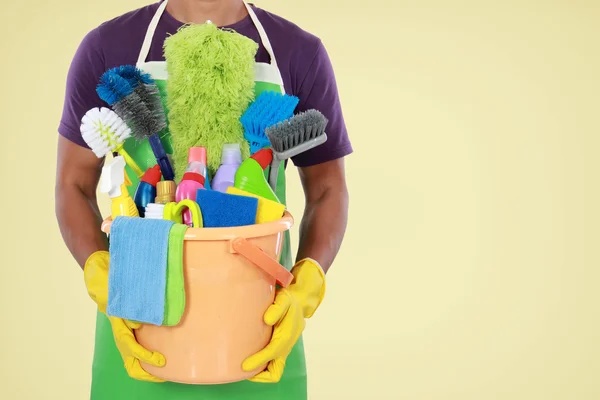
137, 276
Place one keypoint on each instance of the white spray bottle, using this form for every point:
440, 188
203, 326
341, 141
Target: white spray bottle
114, 183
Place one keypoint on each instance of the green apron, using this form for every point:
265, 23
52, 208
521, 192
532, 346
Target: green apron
109, 378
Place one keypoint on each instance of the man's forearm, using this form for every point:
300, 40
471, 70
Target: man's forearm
79, 219
323, 227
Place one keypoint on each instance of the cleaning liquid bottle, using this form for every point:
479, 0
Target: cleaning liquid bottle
115, 182
146, 190
250, 176
231, 159
193, 179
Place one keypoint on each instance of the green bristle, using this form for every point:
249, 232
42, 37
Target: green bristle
211, 83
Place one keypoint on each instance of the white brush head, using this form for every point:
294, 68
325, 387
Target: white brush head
103, 130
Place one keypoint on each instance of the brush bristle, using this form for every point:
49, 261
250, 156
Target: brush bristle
133, 75
113, 87
141, 120
299, 129
103, 130
147, 120
268, 109
150, 96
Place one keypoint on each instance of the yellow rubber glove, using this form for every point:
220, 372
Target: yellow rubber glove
95, 275
292, 306
132, 352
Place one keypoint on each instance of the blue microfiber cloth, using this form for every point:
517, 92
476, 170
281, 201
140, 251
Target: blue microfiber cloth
222, 210
137, 277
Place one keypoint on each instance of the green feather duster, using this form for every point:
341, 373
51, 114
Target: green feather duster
210, 85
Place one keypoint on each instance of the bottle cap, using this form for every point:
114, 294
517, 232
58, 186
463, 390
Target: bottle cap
263, 157
154, 211
193, 176
232, 155
165, 192
197, 154
152, 175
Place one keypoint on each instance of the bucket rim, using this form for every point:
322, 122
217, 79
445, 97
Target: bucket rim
283, 224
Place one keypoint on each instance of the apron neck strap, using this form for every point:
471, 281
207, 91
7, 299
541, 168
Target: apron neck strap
264, 38
161, 9
150, 33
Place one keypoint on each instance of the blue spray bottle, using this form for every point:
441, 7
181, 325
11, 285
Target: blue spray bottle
146, 190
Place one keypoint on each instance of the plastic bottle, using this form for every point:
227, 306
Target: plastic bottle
146, 190
193, 179
154, 211
250, 176
114, 182
231, 159
165, 192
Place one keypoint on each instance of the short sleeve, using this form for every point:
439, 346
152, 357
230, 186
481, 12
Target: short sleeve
319, 91
84, 73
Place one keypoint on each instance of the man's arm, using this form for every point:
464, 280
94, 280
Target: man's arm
326, 212
77, 175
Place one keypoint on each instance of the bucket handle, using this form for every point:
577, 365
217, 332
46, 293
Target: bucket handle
262, 260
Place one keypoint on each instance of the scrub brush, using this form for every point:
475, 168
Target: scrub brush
296, 135
268, 109
145, 87
120, 88
104, 132
144, 109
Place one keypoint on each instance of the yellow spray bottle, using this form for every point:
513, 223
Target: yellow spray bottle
115, 182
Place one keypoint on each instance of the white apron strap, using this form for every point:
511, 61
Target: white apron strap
150, 33
264, 38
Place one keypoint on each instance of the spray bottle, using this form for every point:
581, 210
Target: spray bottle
115, 182
193, 179
230, 161
250, 176
146, 190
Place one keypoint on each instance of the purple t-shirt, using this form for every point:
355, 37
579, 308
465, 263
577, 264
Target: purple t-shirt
301, 57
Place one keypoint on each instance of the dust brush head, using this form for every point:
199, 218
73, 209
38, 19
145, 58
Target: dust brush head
298, 134
103, 131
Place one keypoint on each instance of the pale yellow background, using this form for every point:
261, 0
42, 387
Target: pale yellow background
471, 265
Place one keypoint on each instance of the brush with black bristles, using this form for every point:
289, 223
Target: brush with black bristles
303, 132
134, 99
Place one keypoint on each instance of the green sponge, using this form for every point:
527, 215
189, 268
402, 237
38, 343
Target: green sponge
210, 85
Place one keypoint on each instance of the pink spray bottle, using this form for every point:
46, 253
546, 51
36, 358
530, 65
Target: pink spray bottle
193, 179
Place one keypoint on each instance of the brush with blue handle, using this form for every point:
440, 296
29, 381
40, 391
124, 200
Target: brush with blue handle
135, 97
267, 109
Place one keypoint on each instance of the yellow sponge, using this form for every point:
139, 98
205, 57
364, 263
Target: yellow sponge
268, 210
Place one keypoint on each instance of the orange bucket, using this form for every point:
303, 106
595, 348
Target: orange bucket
230, 280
